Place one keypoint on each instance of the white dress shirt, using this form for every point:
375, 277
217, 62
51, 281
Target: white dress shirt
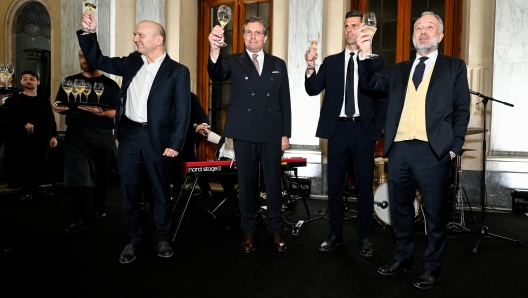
139, 89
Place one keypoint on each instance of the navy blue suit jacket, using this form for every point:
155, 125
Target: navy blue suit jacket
259, 109
331, 78
169, 100
446, 106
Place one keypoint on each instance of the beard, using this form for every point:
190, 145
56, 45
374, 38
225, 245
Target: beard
426, 48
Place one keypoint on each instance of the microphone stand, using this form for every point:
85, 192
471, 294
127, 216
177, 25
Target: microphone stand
483, 232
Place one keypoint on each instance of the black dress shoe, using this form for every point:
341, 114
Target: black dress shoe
100, 215
426, 280
395, 267
365, 248
330, 243
164, 249
77, 227
128, 255
278, 243
247, 244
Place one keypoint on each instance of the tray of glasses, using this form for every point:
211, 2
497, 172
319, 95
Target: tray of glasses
72, 105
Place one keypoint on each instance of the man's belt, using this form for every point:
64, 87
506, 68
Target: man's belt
348, 119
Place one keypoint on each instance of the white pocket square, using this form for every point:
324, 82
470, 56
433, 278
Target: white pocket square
275, 71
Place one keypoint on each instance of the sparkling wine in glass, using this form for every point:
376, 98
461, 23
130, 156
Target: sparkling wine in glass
90, 6
369, 19
313, 39
67, 86
8, 72
224, 16
98, 89
79, 87
87, 90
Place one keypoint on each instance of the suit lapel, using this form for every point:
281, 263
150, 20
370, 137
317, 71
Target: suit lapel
136, 64
438, 69
164, 67
247, 64
341, 66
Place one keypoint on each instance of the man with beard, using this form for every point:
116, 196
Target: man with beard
89, 148
31, 132
427, 118
352, 120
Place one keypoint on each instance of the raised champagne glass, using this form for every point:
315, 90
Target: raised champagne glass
90, 6
313, 39
369, 19
224, 16
79, 87
67, 86
98, 89
2, 74
87, 90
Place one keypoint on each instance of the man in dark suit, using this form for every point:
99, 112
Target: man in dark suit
259, 122
352, 120
427, 118
152, 115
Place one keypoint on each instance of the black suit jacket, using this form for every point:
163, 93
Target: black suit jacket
169, 100
331, 79
446, 107
259, 109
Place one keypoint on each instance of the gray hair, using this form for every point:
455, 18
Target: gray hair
255, 19
430, 13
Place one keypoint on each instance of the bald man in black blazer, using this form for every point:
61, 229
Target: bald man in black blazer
259, 122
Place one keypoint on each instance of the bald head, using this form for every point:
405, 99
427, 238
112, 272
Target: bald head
149, 38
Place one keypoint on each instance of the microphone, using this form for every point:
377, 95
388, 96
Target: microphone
383, 204
475, 93
203, 131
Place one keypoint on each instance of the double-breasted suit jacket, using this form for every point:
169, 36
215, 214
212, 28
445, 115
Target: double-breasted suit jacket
259, 109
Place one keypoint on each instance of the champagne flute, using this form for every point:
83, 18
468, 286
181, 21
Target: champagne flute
98, 89
87, 90
369, 19
224, 16
313, 38
79, 87
67, 87
8, 72
90, 6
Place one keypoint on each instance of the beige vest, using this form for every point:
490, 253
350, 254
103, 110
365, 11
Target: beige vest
412, 122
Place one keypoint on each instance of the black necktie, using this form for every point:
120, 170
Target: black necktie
418, 72
350, 110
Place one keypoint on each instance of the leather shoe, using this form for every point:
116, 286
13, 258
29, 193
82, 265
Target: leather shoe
247, 244
100, 215
365, 248
426, 280
164, 249
330, 243
77, 227
396, 267
278, 243
128, 255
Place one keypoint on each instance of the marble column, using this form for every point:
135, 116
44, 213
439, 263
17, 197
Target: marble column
152, 10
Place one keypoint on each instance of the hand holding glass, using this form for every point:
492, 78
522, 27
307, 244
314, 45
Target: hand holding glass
369, 19
98, 89
224, 16
90, 6
313, 39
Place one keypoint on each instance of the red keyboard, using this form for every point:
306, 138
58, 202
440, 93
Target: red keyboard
227, 166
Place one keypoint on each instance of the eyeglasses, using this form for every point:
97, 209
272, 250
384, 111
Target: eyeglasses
257, 33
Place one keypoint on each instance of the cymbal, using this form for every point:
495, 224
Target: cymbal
474, 130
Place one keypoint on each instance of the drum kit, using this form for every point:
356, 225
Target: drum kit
457, 196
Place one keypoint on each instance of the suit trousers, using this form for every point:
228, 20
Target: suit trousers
351, 141
249, 156
138, 161
413, 164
